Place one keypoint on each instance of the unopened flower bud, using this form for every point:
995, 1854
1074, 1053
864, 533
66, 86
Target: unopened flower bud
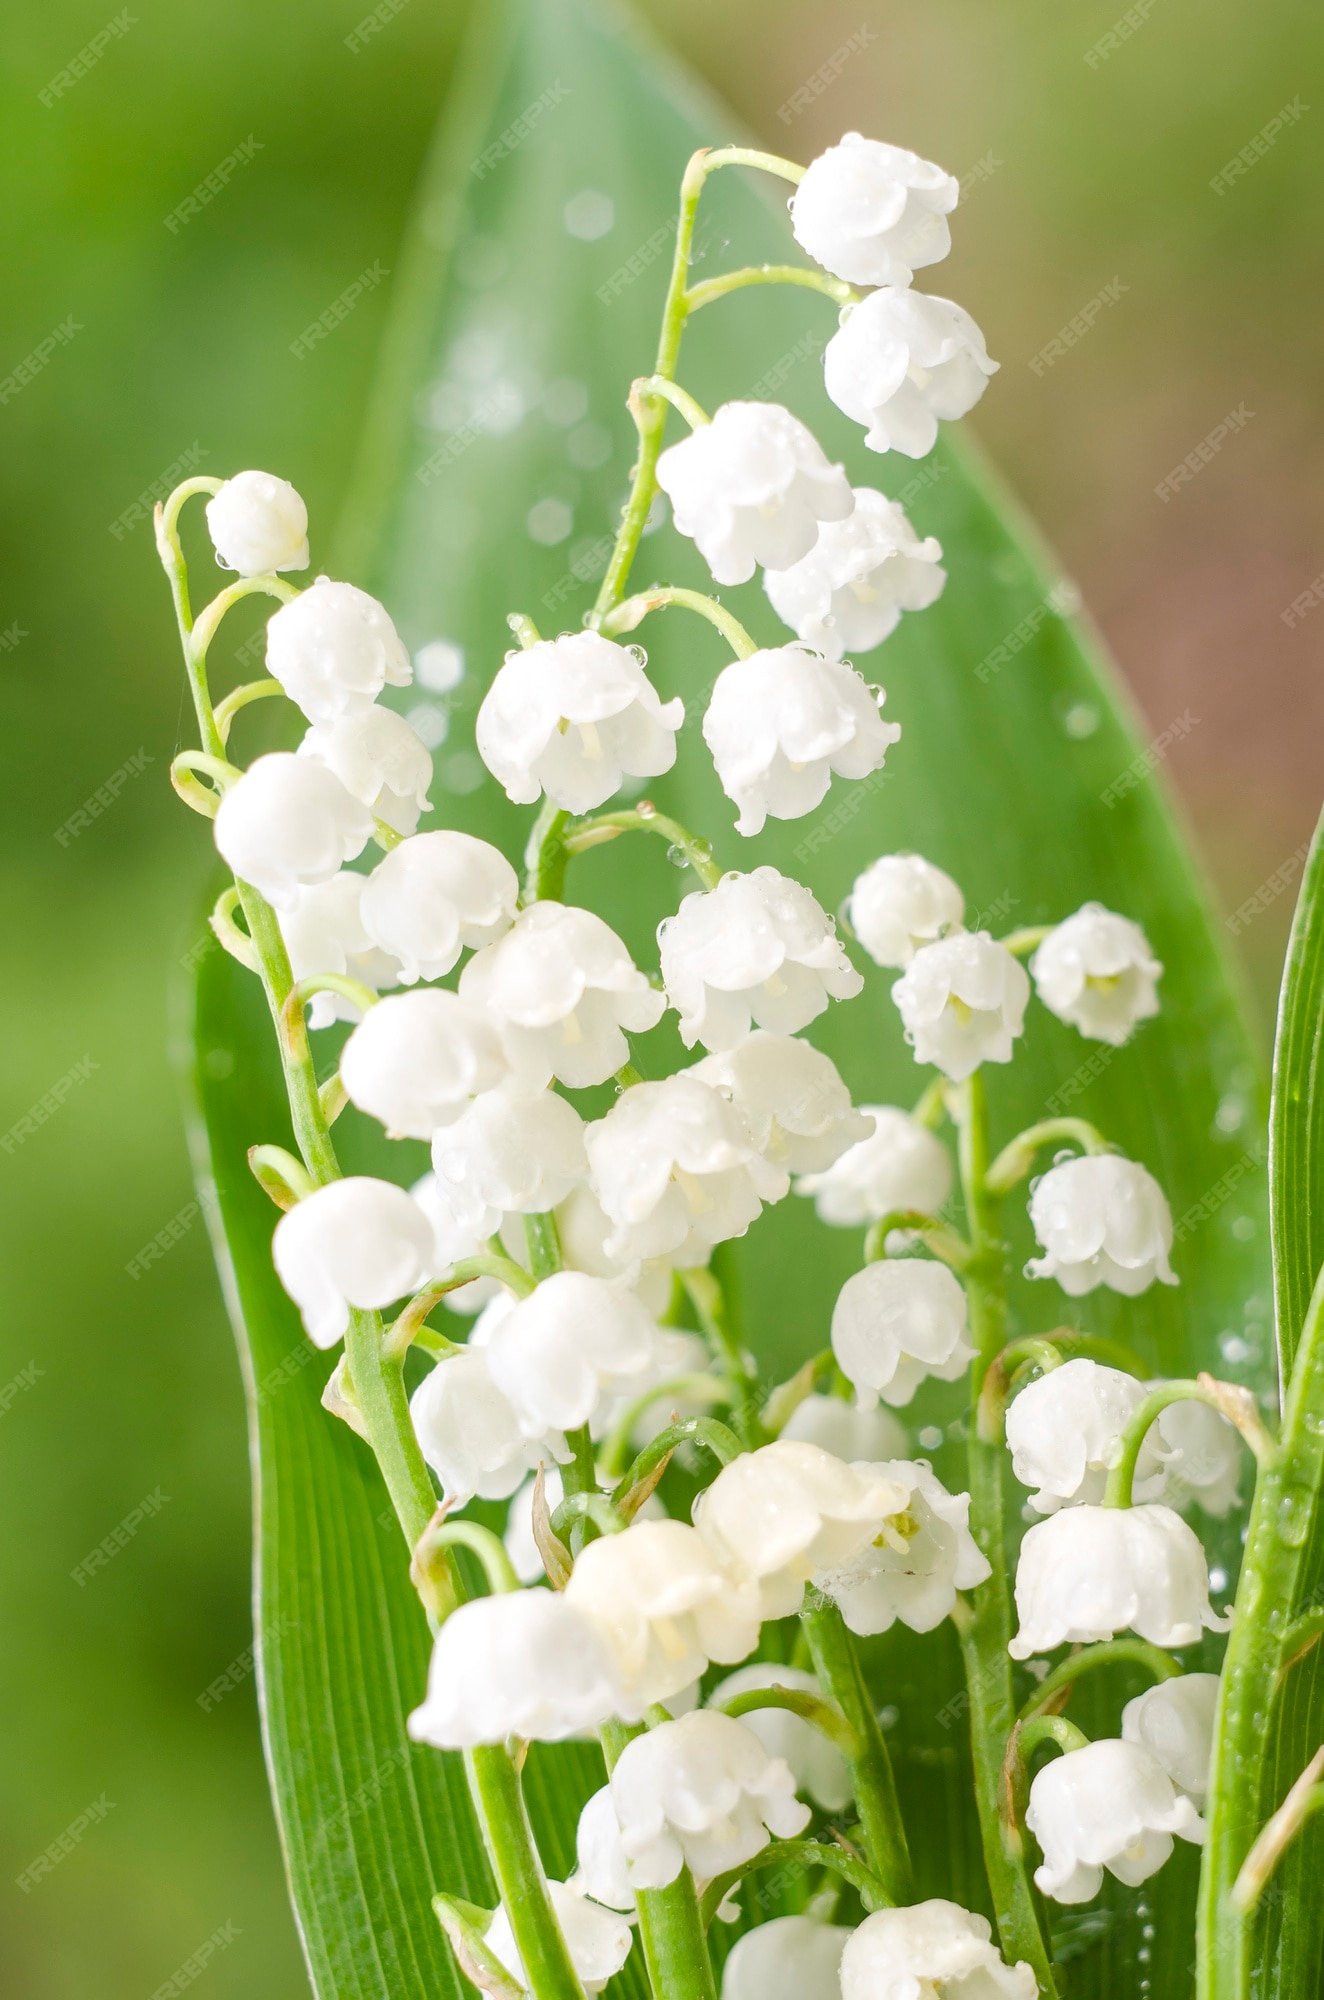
901, 361
258, 523
334, 648
872, 213
751, 488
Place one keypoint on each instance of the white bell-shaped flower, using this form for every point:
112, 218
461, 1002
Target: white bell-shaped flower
459, 1229
778, 1514
1090, 1572
962, 1003
525, 1663
862, 1429
436, 895
914, 1568
901, 1165
334, 648
573, 1343
584, 1229
819, 1769
357, 1242
757, 947
848, 593
789, 1958
901, 361
573, 716
469, 1433
289, 822
666, 1606
516, 1150
872, 213
1097, 971
1201, 1453
417, 1060
1174, 1721
603, 1872
900, 903
930, 1951
258, 523
790, 1096
675, 1170
1101, 1220
1064, 1433
377, 757
324, 932
597, 1940
561, 986
896, 1322
701, 1792
750, 488
782, 721
1110, 1805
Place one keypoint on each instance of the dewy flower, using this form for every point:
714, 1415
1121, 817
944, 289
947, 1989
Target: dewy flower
377, 757
819, 1769
357, 1242
901, 361
901, 1165
459, 1229
896, 1322
324, 932
751, 488
584, 1228
900, 903
1097, 971
962, 1003
781, 722
597, 1940
675, 1170
258, 523
790, 1958
334, 648
914, 1568
561, 986
848, 593
289, 822
847, 1430
1174, 1721
1064, 1434
791, 1097
1110, 1805
522, 1664
1090, 1572
573, 716
469, 1433
436, 895
778, 1514
573, 1343
417, 1060
701, 1792
665, 1606
934, 1949
872, 213
758, 947
1201, 1454
1101, 1220
516, 1150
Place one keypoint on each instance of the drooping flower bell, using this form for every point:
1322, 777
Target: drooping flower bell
525, 1663
1201, 1453
1090, 1572
1064, 1434
900, 903
324, 932
459, 1229
597, 1940
574, 1343
702, 1792
289, 822
417, 1061
873, 213
469, 1433
788, 1958
758, 947
935, 1950
334, 648
1174, 1721
1097, 971
377, 757
914, 1568
860, 1429
572, 717
962, 1003
436, 895
603, 1872
901, 361
515, 1150
901, 1165
819, 1769
896, 1322
849, 592
781, 722
356, 1242
258, 523
791, 1097
751, 488
561, 987
1110, 1805
1101, 1220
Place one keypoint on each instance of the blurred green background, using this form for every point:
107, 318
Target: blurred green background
116, 1388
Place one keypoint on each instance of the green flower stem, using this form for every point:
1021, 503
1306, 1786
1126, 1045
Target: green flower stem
721, 1442
705, 1294
687, 1388
671, 392
407, 1327
824, 1715
670, 1928
360, 996
932, 1105
524, 629
280, 1175
810, 1854
545, 857
1305, 1799
227, 932
480, 1541
1236, 1405
629, 615
240, 697
1023, 941
544, 1246
1109, 1653
745, 156
208, 619
644, 818
1273, 1571
939, 1237
1017, 1156
1055, 1729
984, 1623
995, 1390
497, 1792
837, 1665
770, 274
185, 770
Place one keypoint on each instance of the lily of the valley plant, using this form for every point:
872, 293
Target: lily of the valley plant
712, 1648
